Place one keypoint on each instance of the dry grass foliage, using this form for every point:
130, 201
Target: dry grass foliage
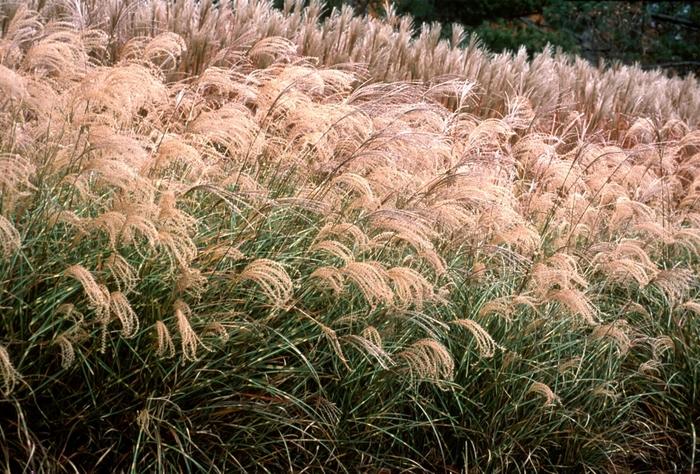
388, 168
144, 139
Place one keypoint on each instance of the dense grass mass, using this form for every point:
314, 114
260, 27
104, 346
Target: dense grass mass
236, 238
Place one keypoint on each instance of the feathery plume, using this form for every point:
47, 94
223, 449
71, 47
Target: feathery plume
505, 306
96, 294
559, 270
164, 50
576, 302
661, 344
410, 287
370, 342
624, 262
522, 237
334, 248
143, 420
177, 159
361, 186
606, 390
67, 351
10, 240
650, 367
219, 329
59, 54
330, 335
272, 278
266, 50
330, 276
371, 278
628, 211
569, 364
112, 222
15, 174
484, 342
121, 308
165, 346
413, 229
674, 283
179, 247
221, 252
501, 306
344, 229
333, 340
372, 334
191, 281
632, 307
429, 359
539, 388
688, 237
8, 374
617, 332
121, 94
693, 306
229, 127
138, 220
68, 310
188, 338
12, 85
172, 218
123, 273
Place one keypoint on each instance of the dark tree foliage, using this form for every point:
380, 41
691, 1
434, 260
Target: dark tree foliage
471, 12
665, 34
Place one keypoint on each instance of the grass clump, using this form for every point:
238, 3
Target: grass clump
250, 260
